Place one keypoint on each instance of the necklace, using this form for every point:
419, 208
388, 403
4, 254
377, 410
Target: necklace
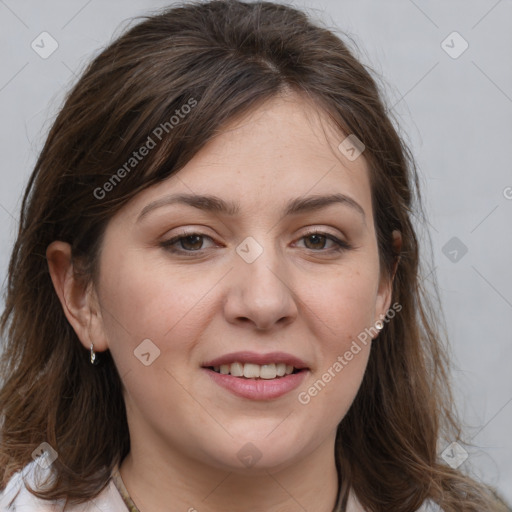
130, 505
118, 482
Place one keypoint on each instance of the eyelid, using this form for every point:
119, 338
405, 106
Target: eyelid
167, 243
314, 231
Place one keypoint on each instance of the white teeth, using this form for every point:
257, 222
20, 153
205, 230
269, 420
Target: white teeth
280, 369
255, 371
251, 371
237, 370
268, 371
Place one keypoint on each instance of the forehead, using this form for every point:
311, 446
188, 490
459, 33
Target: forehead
284, 149
287, 136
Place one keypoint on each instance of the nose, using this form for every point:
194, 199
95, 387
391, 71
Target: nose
260, 292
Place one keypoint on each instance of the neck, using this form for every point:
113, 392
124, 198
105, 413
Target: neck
166, 479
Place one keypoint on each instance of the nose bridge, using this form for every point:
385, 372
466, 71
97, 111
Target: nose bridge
262, 293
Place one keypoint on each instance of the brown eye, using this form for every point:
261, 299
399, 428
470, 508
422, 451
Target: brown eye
183, 244
317, 241
191, 242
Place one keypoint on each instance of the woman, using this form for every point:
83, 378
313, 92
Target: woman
214, 299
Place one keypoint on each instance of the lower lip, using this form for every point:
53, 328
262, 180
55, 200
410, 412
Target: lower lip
258, 389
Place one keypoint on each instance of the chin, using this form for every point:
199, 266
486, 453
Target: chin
250, 455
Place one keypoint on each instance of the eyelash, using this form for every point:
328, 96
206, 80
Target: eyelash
168, 244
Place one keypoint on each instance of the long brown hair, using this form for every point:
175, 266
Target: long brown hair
228, 57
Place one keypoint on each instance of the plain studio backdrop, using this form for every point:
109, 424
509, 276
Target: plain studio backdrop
447, 70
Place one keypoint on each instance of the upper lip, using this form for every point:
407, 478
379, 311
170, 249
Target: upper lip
255, 358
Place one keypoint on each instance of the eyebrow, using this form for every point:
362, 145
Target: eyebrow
215, 204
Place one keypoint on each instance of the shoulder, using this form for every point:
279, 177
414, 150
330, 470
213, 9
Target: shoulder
430, 506
16, 497
354, 505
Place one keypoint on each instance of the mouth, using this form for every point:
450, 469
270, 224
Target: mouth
252, 365
257, 376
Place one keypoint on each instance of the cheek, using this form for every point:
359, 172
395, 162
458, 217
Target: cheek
153, 316
141, 301
345, 304
345, 310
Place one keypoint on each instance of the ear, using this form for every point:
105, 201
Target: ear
385, 291
78, 299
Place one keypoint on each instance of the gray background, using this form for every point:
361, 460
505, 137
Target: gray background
455, 112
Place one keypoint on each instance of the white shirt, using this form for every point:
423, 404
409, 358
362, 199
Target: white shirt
16, 497
109, 499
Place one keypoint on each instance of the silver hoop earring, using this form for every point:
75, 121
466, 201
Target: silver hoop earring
93, 355
379, 325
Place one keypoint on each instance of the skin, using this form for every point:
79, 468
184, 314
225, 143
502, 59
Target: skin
299, 296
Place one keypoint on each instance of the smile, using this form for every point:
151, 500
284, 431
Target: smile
255, 371
258, 388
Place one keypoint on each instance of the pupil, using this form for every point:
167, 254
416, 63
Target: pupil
189, 238
317, 237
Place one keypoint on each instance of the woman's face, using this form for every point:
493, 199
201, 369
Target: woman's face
269, 281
